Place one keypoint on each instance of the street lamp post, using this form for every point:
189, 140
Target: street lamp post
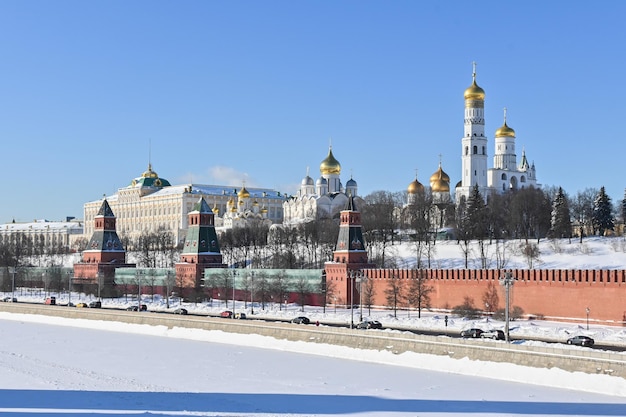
234, 275
12, 270
507, 281
587, 310
351, 299
252, 293
360, 278
139, 275
69, 288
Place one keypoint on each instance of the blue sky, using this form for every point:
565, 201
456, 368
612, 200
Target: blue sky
225, 92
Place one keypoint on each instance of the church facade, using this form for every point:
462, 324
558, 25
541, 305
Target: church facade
324, 198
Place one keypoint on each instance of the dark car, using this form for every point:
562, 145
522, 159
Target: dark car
493, 334
95, 304
181, 311
226, 314
301, 320
471, 333
241, 316
136, 308
580, 341
369, 324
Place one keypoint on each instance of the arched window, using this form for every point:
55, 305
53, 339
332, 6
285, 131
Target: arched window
475, 150
466, 150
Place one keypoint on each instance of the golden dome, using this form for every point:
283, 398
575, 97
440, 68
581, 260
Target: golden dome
440, 181
505, 130
216, 211
440, 186
474, 92
150, 173
415, 187
440, 174
231, 202
330, 165
243, 193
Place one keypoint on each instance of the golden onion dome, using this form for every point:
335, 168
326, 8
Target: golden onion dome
440, 174
440, 186
243, 193
150, 173
330, 165
215, 210
505, 131
474, 92
231, 202
415, 187
263, 210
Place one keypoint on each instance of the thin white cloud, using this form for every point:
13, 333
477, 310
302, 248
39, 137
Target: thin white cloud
219, 175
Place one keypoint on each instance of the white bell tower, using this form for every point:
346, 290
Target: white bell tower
474, 142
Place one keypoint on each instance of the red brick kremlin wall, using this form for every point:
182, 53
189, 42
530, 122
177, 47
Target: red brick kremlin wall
558, 294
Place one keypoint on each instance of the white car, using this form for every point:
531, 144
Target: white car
493, 334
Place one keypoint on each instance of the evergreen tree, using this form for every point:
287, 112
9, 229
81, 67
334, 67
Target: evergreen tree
603, 213
561, 222
476, 215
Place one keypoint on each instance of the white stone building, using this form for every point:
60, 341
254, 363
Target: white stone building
506, 173
150, 204
323, 198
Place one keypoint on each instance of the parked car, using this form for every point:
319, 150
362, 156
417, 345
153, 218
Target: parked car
241, 316
82, 305
493, 334
581, 341
226, 314
471, 333
95, 304
50, 301
301, 320
9, 300
369, 324
136, 308
181, 311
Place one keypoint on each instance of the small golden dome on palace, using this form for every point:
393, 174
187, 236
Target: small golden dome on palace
150, 173
505, 131
330, 165
415, 187
474, 92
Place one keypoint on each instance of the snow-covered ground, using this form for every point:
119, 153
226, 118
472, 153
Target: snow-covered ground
53, 366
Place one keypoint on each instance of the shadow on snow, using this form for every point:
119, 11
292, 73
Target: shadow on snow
35, 403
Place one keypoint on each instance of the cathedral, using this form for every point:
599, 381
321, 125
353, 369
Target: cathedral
324, 198
506, 173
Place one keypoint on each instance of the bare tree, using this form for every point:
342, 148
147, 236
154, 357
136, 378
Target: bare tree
491, 298
394, 293
303, 289
419, 291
